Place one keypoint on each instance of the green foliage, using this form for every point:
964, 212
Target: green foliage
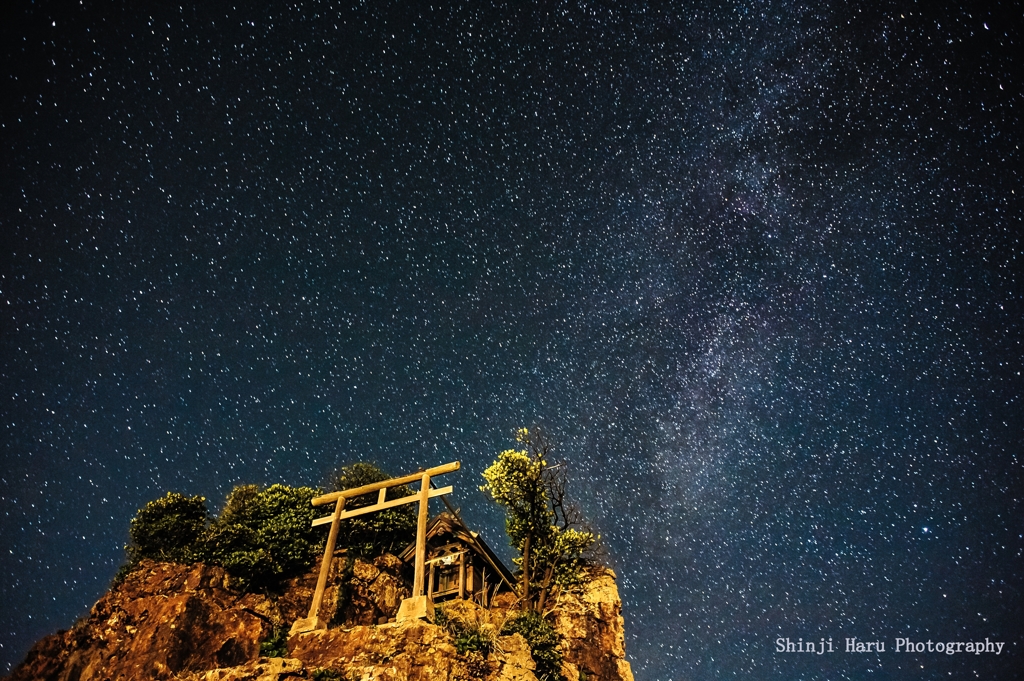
538, 519
262, 537
569, 555
384, 531
170, 528
473, 640
468, 637
543, 642
265, 535
326, 674
516, 481
356, 475
276, 645
122, 573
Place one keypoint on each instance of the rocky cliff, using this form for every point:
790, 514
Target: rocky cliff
169, 621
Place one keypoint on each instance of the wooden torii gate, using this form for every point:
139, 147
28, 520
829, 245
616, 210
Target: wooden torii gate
418, 605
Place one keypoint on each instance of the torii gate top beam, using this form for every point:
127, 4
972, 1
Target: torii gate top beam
374, 486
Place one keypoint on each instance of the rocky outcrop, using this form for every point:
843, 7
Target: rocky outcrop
370, 594
161, 620
263, 669
189, 623
589, 622
409, 651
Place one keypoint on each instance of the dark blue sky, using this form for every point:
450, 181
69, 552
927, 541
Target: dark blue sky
756, 266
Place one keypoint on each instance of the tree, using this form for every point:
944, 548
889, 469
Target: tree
379, 532
543, 527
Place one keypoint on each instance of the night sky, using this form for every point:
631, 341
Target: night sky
757, 268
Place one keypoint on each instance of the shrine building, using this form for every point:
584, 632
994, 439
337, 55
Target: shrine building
459, 563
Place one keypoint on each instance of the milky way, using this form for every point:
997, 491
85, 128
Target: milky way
756, 267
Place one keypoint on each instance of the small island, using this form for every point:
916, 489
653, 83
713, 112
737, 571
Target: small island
261, 591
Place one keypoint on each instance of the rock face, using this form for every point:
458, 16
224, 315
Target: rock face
371, 594
590, 624
168, 621
409, 651
162, 620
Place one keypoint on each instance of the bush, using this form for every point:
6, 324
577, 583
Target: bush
262, 537
468, 637
170, 528
470, 640
265, 536
276, 645
387, 531
326, 674
543, 642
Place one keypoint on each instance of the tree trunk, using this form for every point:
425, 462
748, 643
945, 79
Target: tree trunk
526, 571
545, 585
554, 593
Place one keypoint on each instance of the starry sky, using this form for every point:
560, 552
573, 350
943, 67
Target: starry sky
756, 267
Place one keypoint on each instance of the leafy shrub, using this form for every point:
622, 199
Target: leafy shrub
265, 535
543, 642
473, 640
326, 674
276, 645
170, 528
384, 531
468, 637
262, 537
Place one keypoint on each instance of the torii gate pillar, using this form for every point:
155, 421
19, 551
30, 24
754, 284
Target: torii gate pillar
419, 605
